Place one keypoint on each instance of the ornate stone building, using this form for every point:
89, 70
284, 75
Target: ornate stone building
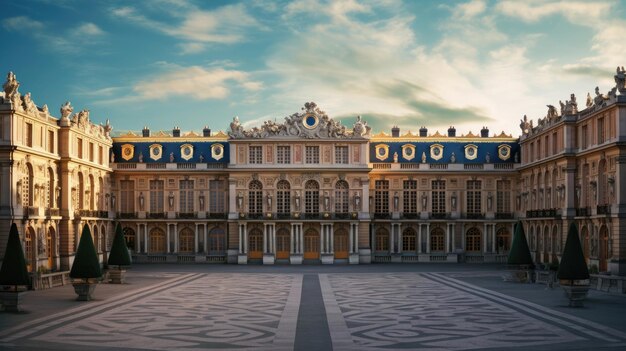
310, 189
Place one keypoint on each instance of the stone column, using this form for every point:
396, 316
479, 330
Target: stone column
292, 242
145, 238
427, 238
419, 238
175, 238
137, 239
400, 239
331, 241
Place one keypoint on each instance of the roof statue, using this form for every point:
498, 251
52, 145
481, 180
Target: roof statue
311, 123
589, 100
620, 80
552, 114
29, 105
11, 93
525, 125
598, 100
570, 107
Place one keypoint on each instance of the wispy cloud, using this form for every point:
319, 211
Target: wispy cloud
69, 41
224, 25
576, 11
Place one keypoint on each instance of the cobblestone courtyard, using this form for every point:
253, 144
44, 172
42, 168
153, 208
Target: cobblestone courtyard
317, 308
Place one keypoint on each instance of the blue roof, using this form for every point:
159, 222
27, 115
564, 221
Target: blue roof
458, 148
201, 148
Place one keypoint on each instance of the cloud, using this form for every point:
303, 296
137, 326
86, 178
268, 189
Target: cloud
224, 25
580, 12
195, 82
470, 9
70, 41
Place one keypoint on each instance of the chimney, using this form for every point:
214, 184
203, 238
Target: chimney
145, 132
484, 133
206, 132
451, 131
395, 132
423, 132
176, 132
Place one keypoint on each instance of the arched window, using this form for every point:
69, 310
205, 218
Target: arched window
382, 240
28, 248
157, 240
312, 198
92, 194
473, 240
409, 238
503, 240
255, 198
101, 190
341, 197
381, 197
283, 198
217, 241
186, 241
437, 242
129, 237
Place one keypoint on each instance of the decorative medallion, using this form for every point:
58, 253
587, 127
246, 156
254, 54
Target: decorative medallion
436, 151
471, 151
128, 151
504, 152
310, 121
382, 151
217, 151
156, 151
186, 152
408, 151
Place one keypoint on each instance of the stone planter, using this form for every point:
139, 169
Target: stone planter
11, 298
84, 290
575, 293
117, 276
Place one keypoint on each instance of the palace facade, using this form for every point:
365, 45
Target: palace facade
310, 189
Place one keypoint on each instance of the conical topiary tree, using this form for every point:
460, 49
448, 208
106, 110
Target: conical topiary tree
86, 264
519, 253
119, 255
573, 266
13, 271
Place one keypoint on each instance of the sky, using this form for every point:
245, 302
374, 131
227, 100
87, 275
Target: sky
187, 63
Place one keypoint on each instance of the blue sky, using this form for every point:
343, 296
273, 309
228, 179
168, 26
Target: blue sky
166, 63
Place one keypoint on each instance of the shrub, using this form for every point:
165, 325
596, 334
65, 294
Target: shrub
13, 271
573, 265
119, 255
520, 253
86, 264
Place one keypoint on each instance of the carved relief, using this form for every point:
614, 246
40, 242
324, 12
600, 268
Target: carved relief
327, 154
356, 154
269, 153
297, 153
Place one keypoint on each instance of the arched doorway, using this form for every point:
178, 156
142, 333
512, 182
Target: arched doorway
283, 242
311, 244
157, 240
382, 240
473, 240
437, 242
217, 241
186, 241
129, 238
503, 240
28, 248
51, 248
409, 238
340, 243
255, 244
604, 249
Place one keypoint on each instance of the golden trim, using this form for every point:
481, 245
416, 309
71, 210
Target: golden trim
434, 156
217, 151
128, 151
508, 152
385, 149
405, 149
188, 156
159, 149
471, 147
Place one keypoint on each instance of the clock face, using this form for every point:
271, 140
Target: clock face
310, 121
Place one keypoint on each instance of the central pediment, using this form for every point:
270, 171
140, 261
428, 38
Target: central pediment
311, 123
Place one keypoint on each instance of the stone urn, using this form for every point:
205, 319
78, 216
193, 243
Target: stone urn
11, 298
84, 288
575, 291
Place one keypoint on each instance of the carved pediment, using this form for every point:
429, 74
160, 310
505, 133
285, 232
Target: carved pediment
311, 123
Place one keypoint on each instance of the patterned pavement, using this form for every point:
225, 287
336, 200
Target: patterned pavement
260, 311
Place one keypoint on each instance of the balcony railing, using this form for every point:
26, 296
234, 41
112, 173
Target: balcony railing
217, 215
440, 215
127, 215
504, 215
186, 215
583, 212
474, 216
545, 213
382, 215
409, 215
155, 215
52, 212
603, 209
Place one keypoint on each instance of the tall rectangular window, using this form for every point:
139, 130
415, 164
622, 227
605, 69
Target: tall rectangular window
186, 196
79, 147
601, 135
51, 141
439, 196
312, 154
381, 197
217, 196
409, 198
503, 196
256, 154
474, 204
584, 137
341, 154
91, 152
538, 156
127, 196
532, 152
283, 154
546, 145
555, 143
28, 135
156, 196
